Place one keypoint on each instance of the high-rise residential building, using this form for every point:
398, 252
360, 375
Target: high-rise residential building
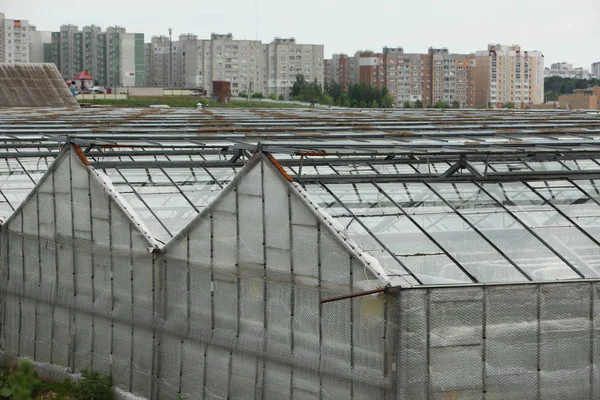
340, 69
157, 61
113, 57
241, 62
371, 69
286, 59
21, 42
451, 78
250, 65
595, 70
506, 74
37, 40
438, 76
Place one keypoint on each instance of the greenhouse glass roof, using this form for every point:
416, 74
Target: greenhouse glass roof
454, 197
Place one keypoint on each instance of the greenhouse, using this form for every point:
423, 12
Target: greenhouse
305, 254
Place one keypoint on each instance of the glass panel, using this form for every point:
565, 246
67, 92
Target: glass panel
454, 234
398, 234
523, 248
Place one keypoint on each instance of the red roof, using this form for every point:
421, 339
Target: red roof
83, 75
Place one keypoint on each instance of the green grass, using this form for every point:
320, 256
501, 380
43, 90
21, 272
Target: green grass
185, 101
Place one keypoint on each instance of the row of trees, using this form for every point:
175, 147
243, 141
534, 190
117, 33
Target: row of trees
365, 96
358, 95
554, 86
361, 95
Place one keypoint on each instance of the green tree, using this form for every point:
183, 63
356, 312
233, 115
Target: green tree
272, 96
343, 100
407, 104
551, 96
559, 85
257, 96
327, 100
455, 104
335, 90
281, 97
387, 101
298, 85
418, 104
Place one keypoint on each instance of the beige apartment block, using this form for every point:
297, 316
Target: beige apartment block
286, 59
507, 74
583, 99
451, 77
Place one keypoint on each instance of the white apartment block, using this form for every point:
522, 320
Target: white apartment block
241, 62
595, 70
20, 42
250, 66
506, 74
566, 70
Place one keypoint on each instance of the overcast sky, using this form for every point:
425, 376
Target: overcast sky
564, 30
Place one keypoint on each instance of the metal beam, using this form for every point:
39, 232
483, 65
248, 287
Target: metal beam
490, 177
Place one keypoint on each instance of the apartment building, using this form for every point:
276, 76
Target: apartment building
157, 56
241, 62
595, 70
566, 70
451, 78
21, 42
114, 57
250, 65
438, 76
37, 40
506, 74
285, 59
339, 69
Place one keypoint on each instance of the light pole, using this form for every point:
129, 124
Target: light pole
170, 59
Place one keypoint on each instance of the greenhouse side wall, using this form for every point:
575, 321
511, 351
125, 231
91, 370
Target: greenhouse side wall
229, 310
500, 342
77, 282
241, 304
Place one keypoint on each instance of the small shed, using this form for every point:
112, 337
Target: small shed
83, 80
222, 91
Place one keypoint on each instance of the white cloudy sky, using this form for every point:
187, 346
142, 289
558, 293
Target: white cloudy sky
565, 30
